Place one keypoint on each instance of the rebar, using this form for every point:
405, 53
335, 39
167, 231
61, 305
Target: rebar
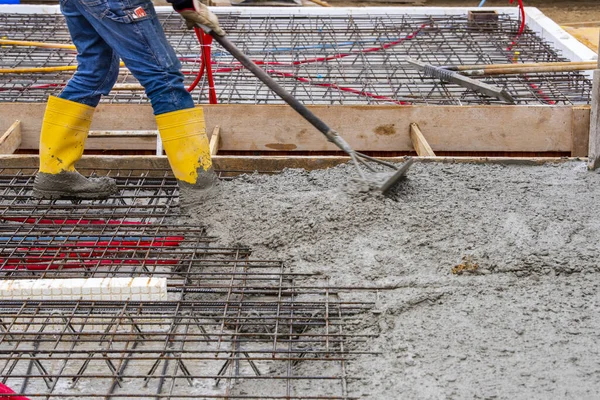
233, 327
327, 59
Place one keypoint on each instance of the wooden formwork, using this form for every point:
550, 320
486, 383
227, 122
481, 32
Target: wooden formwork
265, 130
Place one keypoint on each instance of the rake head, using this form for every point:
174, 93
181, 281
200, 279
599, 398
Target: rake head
390, 182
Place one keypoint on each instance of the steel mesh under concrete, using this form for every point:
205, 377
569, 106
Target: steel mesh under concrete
242, 347
145, 196
330, 59
233, 327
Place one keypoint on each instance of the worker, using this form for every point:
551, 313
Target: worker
103, 32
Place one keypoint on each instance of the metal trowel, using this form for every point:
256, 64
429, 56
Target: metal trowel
359, 159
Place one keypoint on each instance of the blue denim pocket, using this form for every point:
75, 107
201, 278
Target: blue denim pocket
124, 12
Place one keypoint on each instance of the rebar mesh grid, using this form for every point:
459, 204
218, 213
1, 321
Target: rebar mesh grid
286, 347
233, 327
333, 59
144, 196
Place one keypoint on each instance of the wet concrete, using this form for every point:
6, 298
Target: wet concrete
524, 324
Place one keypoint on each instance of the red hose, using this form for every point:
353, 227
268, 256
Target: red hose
198, 77
532, 85
49, 263
205, 42
335, 86
522, 27
6, 390
333, 57
44, 221
205, 64
328, 58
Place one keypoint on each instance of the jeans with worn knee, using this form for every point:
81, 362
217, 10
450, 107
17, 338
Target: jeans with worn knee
105, 31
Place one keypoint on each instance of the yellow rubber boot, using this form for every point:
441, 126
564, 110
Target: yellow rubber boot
183, 134
64, 131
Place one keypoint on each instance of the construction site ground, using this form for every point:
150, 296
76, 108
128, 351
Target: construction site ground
560, 11
488, 275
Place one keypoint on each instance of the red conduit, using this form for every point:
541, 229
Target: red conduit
205, 41
205, 61
198, 77
522, 27
333, 57
328, 58
49, 266
102, 246
70, 221
6, 390
532, 85
46, 86
333, 85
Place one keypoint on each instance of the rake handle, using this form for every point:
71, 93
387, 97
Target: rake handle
274, 86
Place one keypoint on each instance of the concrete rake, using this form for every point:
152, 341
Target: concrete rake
360, 160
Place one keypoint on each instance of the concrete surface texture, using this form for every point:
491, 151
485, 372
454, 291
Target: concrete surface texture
520, 322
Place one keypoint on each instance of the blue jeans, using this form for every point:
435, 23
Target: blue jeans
104, 31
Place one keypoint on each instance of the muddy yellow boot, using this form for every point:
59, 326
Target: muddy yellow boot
64, 132
184, 139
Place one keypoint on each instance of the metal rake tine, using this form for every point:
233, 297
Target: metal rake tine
359, 158
355, 161
378, 161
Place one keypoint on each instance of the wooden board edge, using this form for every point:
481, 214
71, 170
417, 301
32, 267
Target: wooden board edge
215, 141
547, 127
261, 164
11, 139
419, 142
580, 131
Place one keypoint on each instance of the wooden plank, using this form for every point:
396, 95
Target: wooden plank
121, 134
594, 149
215, 140
121, 139
11, 140
367, 128
376, 128
420, 144
121, 143
580, 131
252, 163
107, 117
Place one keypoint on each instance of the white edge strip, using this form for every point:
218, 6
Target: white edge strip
549, 30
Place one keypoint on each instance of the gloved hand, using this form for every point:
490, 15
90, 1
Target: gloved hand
196, 13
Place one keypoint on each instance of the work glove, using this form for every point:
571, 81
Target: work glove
195, 13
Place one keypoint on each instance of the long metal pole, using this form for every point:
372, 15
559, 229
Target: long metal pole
594, 149
331, 135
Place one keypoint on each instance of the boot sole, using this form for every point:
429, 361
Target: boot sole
56, 195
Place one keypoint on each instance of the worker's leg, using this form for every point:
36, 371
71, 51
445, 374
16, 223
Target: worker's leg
97, 63
67, 119
132, 28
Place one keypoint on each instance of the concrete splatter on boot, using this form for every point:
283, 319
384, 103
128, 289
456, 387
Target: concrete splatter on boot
72, 185
65, 129
184, 139
201, 192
